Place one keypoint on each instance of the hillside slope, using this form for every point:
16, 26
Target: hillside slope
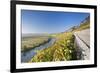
64, 47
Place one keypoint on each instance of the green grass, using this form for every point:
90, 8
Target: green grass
62, 50
83, 26
32, 42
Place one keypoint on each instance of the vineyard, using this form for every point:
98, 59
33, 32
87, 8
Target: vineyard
32, 42
62, 50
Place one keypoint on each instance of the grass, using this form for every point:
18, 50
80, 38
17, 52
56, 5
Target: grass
32, 42
83, 26
62, 50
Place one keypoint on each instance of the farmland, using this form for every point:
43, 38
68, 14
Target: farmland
32, 42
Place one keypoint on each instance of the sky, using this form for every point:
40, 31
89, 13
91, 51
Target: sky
49, 21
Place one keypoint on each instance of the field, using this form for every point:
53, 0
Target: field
32, 42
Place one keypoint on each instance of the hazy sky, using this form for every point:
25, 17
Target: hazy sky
49, 22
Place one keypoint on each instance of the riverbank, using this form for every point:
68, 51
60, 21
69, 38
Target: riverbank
32, 41
26, 56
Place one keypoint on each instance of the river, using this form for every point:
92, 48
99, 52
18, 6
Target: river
26, 56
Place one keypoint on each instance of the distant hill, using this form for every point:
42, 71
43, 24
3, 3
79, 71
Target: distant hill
83, 25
